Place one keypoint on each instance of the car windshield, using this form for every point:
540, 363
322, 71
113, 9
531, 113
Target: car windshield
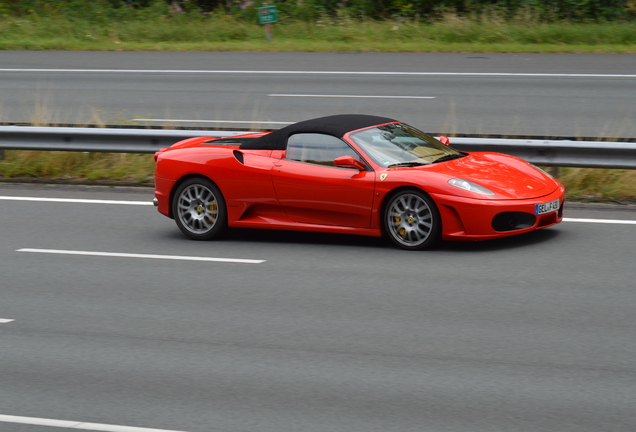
400, 145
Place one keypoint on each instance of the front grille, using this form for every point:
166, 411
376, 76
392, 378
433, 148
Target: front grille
511, 221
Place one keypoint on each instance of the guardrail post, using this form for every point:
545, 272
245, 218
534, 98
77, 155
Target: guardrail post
555, 172
1, 154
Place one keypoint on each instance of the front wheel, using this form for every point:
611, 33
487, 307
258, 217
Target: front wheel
199, 209
411, 220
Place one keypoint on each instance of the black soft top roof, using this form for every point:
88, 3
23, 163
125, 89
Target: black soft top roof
335, 125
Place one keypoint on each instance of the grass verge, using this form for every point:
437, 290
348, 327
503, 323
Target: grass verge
592, 184
225, 33
77, 167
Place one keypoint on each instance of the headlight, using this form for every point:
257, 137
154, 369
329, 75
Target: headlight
469, 186
544, 172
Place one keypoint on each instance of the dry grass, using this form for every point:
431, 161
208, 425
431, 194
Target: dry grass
599, 184
77, 167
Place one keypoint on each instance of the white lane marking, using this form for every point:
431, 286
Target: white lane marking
601, 221
77, 425
213, 121
145, 256
5, 320
349, 96
301, 72
74, 200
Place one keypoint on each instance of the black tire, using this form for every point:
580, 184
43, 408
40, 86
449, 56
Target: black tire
411, 220
199, 209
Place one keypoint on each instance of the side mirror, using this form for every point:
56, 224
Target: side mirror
444, 140
348, 161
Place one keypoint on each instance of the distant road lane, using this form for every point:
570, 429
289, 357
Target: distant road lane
508, 94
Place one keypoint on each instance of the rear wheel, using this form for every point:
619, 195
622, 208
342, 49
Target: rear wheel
411, 220
199, 209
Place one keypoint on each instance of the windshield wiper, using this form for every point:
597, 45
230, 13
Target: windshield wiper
449, 157
405, 164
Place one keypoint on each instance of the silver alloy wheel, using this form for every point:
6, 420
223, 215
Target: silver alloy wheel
409, 220
197, 209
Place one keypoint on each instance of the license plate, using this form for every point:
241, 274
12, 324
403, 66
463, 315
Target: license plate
548, 207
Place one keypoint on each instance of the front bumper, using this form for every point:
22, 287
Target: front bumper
472, 219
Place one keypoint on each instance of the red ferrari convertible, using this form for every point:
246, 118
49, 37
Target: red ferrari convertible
354, 174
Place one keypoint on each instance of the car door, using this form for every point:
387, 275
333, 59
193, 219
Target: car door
313, 190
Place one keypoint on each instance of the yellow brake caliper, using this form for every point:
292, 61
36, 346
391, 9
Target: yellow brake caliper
397, 220
212, 208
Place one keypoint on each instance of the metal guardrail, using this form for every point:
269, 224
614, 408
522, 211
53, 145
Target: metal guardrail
564, 153
107, 140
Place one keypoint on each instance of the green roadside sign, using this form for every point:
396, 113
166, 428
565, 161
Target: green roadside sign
267, 14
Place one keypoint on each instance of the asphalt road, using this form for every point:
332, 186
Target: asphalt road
565, 95
331, 333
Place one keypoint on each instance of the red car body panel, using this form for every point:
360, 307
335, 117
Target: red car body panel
262, 189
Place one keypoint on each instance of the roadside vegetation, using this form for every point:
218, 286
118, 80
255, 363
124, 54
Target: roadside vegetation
582, 184
77, 167
322, 25
586, 184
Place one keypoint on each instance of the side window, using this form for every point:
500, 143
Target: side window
317, 148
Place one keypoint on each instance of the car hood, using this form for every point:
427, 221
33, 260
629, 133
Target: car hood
506, 176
